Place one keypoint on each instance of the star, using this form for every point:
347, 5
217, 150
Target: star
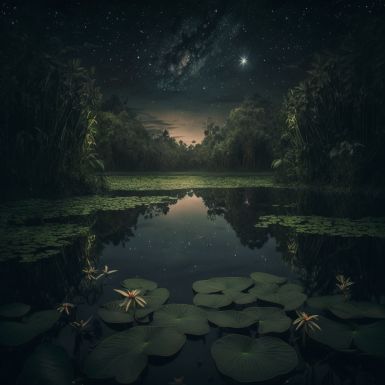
243, 61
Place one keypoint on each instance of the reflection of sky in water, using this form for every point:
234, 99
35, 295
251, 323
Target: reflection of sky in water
175, 250
186, 245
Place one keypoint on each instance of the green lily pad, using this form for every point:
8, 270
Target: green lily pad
215, 301
123, 355
14, 333
355, 309
289, 299
271, 319
334, 334
139, 284
155, 299
187, 319
261, 277
14, 310
371, 338
239, 297
261, 289
113, 313
231, 318
247, 359
325, 301
48, 365
215, 285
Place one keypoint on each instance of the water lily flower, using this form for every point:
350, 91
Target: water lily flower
81, 325
65, 307
106, 272
308, 322
90, 271
344, 283
132, 298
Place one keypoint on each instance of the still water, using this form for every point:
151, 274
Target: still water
198, 235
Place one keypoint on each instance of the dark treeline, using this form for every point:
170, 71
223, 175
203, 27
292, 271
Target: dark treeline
58, 132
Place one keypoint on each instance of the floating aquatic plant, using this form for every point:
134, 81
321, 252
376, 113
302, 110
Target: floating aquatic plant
344, 284
14, 310
123, 355
105, 272
90, 271
306, 323
247, 359
65, 307
81, 326
132, 298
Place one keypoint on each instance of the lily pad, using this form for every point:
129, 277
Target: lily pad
371, 338
355, 309
239, 297
289, 299
112, 313
14, 333
123, 355
215, 285
48, 365
261, 289
231, 318
155, 299
215, 301
139, 284
247, 359
271, 319
334, 334
261, 277
187, 319
325, 301
14, 310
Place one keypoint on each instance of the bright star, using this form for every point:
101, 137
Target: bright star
243, 61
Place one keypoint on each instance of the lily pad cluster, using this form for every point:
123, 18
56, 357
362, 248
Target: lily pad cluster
114, 313
342, 227
19, 327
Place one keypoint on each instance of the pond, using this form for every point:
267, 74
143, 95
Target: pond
175, 233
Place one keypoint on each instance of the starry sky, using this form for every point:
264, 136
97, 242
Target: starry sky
178, 63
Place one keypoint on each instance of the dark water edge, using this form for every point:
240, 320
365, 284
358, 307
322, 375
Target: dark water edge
198, 235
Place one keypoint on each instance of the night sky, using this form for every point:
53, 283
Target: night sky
180, 62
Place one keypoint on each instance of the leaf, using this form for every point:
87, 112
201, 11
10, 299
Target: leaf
14, 310
155, 299
239, 297
371, 338
247, 359
261, 289
271, 319
215, 285
14, 333
355, 309
261, 277
139, 284
334, 334
111, 312
187, 319
48, 365
290, 300
123, 355
231, 318
215, 301
325, 301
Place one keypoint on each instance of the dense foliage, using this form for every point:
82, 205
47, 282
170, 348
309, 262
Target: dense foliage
47, 118
335, 119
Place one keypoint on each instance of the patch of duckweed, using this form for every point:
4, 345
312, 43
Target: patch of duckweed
170, 181
343, 227
32, 243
